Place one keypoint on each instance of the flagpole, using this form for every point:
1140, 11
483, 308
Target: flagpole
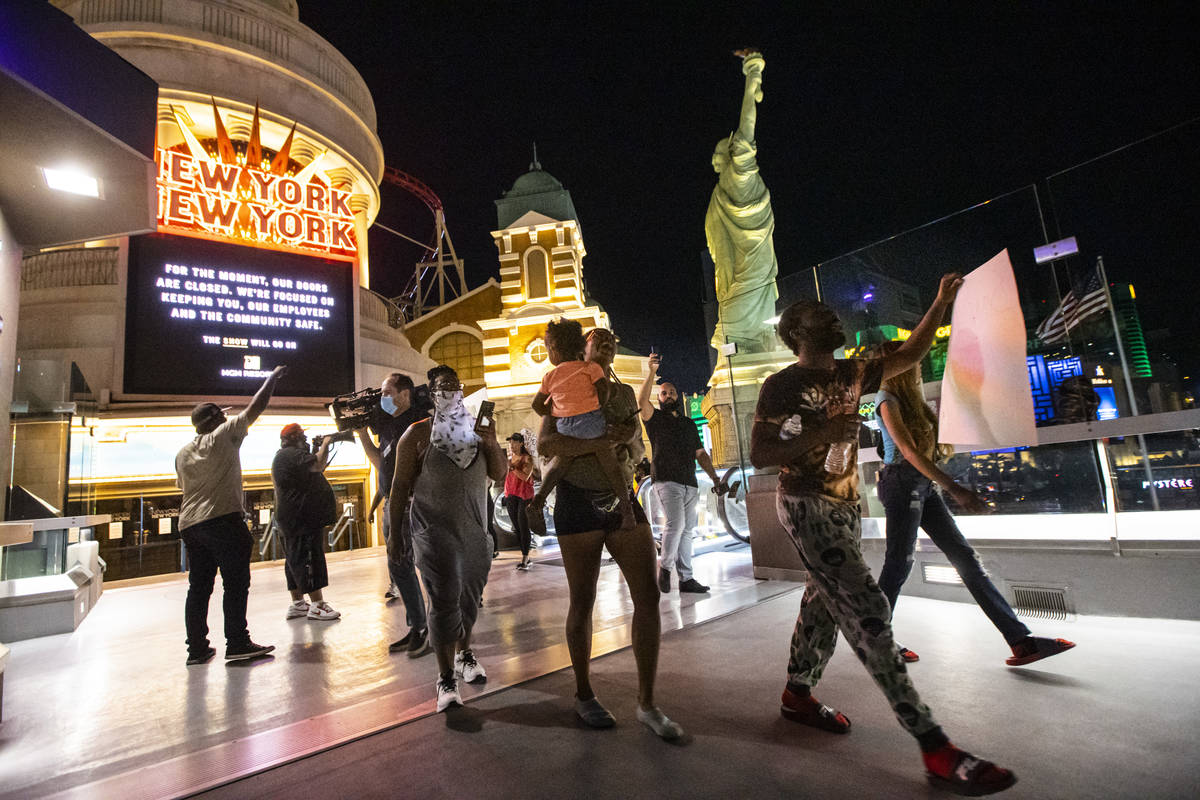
1133, 406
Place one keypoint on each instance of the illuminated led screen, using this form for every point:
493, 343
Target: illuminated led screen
208, 318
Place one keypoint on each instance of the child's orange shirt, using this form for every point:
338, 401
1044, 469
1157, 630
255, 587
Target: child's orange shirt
571, 387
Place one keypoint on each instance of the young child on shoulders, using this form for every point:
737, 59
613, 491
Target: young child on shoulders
574, 393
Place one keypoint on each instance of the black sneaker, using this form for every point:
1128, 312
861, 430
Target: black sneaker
692, 585
419, 644
664, 581
400, 645
247, 651
203, 658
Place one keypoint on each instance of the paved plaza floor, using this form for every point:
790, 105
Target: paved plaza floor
111, 711
114, 701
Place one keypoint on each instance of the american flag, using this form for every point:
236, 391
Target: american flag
1085, 299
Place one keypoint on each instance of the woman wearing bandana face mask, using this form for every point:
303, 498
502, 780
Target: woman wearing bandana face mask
442, 465
587, 520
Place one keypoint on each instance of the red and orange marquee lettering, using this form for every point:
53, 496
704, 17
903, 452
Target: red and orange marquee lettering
253, 207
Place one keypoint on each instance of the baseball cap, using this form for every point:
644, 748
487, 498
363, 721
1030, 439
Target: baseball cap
206, 411
516, 437
291, 429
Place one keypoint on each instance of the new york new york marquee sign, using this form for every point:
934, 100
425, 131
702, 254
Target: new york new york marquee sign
208, 197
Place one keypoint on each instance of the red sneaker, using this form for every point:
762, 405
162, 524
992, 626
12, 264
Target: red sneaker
809, 711
1035, 648
962, 773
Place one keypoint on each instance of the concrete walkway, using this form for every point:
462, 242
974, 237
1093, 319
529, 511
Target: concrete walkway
111, 710
1118, 717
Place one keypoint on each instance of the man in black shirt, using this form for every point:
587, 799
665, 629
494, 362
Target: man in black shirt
304, 505
675, 448
397, 403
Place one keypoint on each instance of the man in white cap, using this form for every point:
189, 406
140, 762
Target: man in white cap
212, 524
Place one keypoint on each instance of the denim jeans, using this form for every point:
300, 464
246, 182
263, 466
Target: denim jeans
403, 573
679, 505
911, 501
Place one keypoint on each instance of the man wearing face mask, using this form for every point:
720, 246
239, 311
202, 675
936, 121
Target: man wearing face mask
675, 448
397, 403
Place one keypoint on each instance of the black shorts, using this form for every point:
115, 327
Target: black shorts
304, 559
578, 510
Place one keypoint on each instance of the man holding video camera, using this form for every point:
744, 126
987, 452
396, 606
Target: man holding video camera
304, 505
396, 401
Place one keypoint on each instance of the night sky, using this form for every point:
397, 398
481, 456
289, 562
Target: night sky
876, 119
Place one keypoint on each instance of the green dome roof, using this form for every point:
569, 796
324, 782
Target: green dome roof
536, 181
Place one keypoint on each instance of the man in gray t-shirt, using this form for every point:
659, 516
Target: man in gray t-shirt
213, 527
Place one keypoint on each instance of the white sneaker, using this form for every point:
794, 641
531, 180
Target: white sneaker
322, 611
297, 609
467, 668
447, 694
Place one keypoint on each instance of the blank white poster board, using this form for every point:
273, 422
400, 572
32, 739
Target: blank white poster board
986, 403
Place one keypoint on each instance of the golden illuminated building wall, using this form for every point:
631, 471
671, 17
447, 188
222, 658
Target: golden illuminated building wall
450, 334
541, 278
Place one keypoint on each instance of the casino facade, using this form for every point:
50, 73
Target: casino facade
268, 168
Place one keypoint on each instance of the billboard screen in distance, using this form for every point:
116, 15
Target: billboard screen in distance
207, 318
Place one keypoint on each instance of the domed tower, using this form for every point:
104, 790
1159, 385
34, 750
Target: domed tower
541, 250
536, 190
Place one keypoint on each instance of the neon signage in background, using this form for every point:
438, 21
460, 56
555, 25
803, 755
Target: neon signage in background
1171, 483
247, 205
1108, 403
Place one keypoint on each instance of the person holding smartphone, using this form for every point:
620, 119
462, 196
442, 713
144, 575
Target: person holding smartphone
442, 467
518, 491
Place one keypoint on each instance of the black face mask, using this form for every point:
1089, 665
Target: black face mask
830, 339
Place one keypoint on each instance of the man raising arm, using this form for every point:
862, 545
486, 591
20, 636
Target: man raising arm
675, 449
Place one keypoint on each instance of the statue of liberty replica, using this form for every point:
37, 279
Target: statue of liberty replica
739, 226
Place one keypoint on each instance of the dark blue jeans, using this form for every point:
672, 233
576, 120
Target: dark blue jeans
403, 573
910, 502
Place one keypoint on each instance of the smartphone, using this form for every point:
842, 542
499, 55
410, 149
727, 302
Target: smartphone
487, 410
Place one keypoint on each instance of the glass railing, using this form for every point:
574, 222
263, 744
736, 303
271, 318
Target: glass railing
1112, 347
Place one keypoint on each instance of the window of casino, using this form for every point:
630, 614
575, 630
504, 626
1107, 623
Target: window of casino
462, 351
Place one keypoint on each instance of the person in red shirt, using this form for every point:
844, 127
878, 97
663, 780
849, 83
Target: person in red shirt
518, 491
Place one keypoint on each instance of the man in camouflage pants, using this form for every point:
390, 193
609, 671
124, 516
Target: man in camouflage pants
803, 411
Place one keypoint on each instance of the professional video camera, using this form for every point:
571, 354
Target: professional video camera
361, 409
421, 399
334, 438
355, 410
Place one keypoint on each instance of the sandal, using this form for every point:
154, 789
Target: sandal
972, 777
593, 714
813, 713
1035, 649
